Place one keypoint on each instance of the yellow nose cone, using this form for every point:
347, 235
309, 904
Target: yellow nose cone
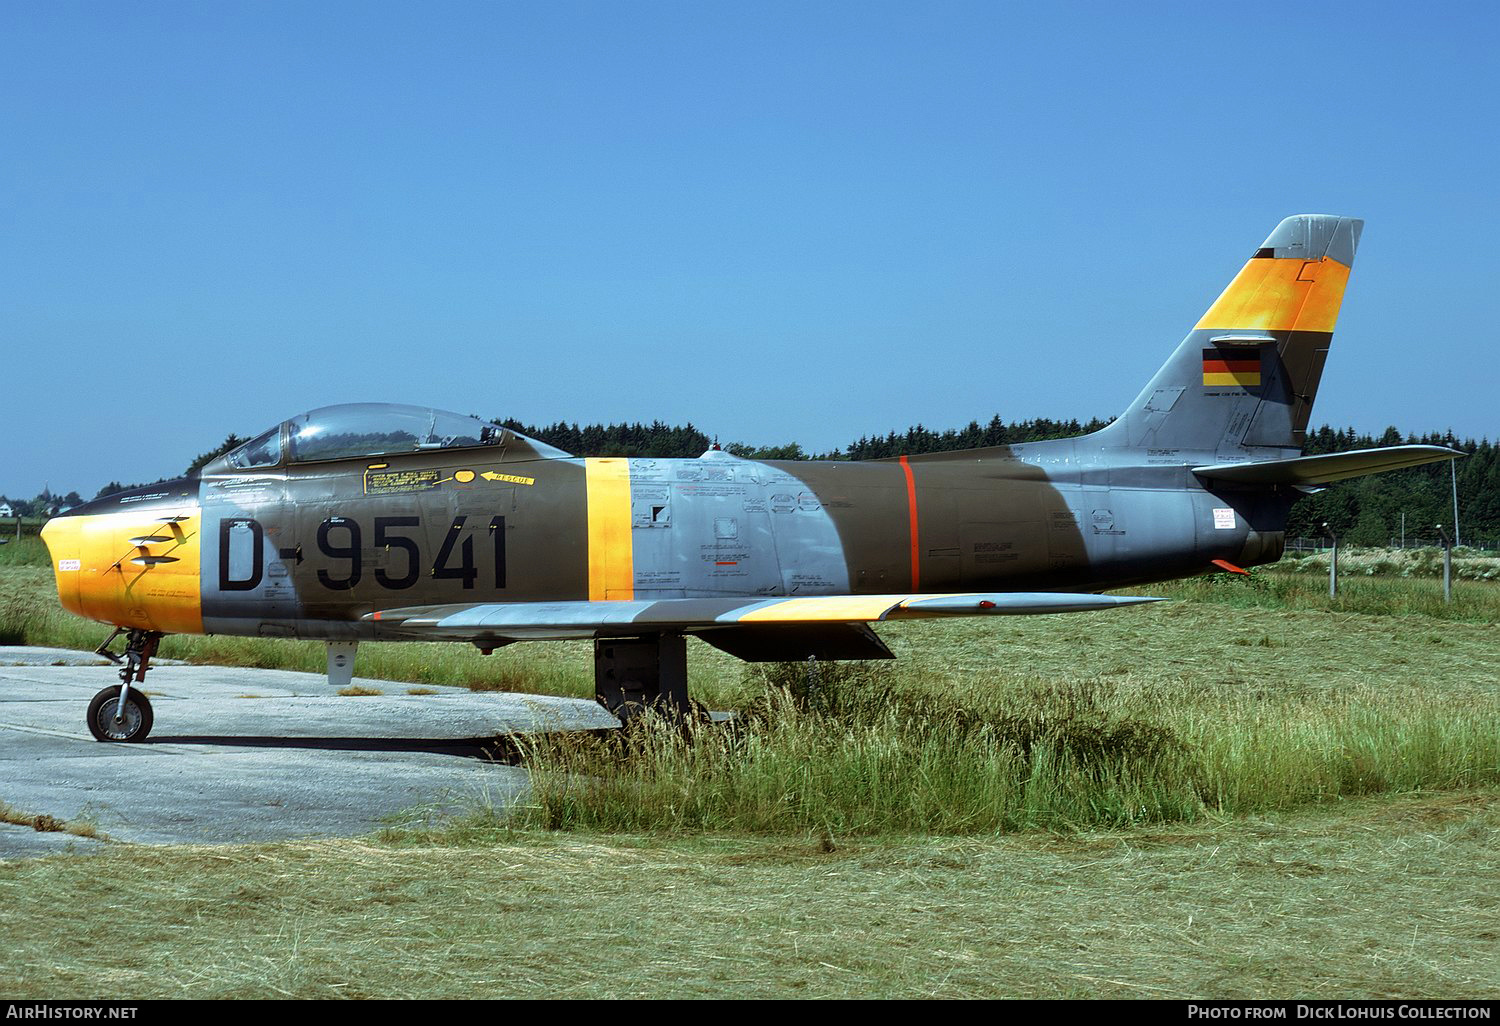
61, 536
131, 569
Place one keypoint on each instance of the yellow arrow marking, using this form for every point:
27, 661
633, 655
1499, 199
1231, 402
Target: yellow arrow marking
490, 475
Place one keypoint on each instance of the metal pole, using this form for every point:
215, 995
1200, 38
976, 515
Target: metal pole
1453, 472
1447, 563
1333, 563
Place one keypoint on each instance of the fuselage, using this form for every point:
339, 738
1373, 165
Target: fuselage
306, 550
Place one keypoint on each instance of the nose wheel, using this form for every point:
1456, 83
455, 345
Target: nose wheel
113, 720
122, 713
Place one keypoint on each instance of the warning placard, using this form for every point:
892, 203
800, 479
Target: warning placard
389, 482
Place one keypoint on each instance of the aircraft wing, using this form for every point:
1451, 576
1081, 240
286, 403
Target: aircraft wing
831, 627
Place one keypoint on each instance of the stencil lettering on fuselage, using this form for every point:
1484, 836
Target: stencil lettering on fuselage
651, 506
992, 552
809, 550
1063, 527
695, 530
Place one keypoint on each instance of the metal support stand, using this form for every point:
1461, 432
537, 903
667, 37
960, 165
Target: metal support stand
632, 675
1447, 563
341, 662
1333, 562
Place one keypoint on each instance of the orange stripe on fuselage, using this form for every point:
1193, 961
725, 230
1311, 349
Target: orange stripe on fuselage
1281, 295
611, 557
911, 517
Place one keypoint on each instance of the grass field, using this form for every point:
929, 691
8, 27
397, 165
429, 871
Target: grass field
27, 550
1250, 790
1394, 897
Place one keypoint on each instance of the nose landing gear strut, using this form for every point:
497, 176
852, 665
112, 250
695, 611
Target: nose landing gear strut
119, 713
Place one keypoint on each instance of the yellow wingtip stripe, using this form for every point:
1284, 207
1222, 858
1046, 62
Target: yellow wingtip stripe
826, 608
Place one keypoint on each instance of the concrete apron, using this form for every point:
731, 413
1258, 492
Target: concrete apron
240, 755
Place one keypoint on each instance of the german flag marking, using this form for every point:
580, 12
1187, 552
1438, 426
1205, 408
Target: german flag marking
1233, 380
1232, 368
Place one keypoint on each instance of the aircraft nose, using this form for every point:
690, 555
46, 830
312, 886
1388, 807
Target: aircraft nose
62, 536
131, 559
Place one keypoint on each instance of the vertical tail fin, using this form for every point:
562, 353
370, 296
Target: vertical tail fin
1247, 373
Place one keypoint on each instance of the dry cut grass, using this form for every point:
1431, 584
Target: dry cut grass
44, 823
1396, 898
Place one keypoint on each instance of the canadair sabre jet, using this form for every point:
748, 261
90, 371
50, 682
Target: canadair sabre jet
377, 522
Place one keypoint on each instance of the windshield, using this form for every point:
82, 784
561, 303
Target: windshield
263, 451
380, 429
364, 429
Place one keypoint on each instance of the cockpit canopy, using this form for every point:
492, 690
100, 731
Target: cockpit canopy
369, 429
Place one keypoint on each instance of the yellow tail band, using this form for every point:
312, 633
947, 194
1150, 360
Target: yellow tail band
1281, 295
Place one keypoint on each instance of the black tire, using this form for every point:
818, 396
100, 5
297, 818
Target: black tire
136, 723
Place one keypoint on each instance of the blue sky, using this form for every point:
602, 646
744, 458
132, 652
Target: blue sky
781, 222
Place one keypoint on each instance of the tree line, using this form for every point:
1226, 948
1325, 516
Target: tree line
1365, 511
44, 504
661, 440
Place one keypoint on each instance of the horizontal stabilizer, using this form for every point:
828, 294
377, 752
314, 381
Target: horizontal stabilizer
537, 621
1319, 470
